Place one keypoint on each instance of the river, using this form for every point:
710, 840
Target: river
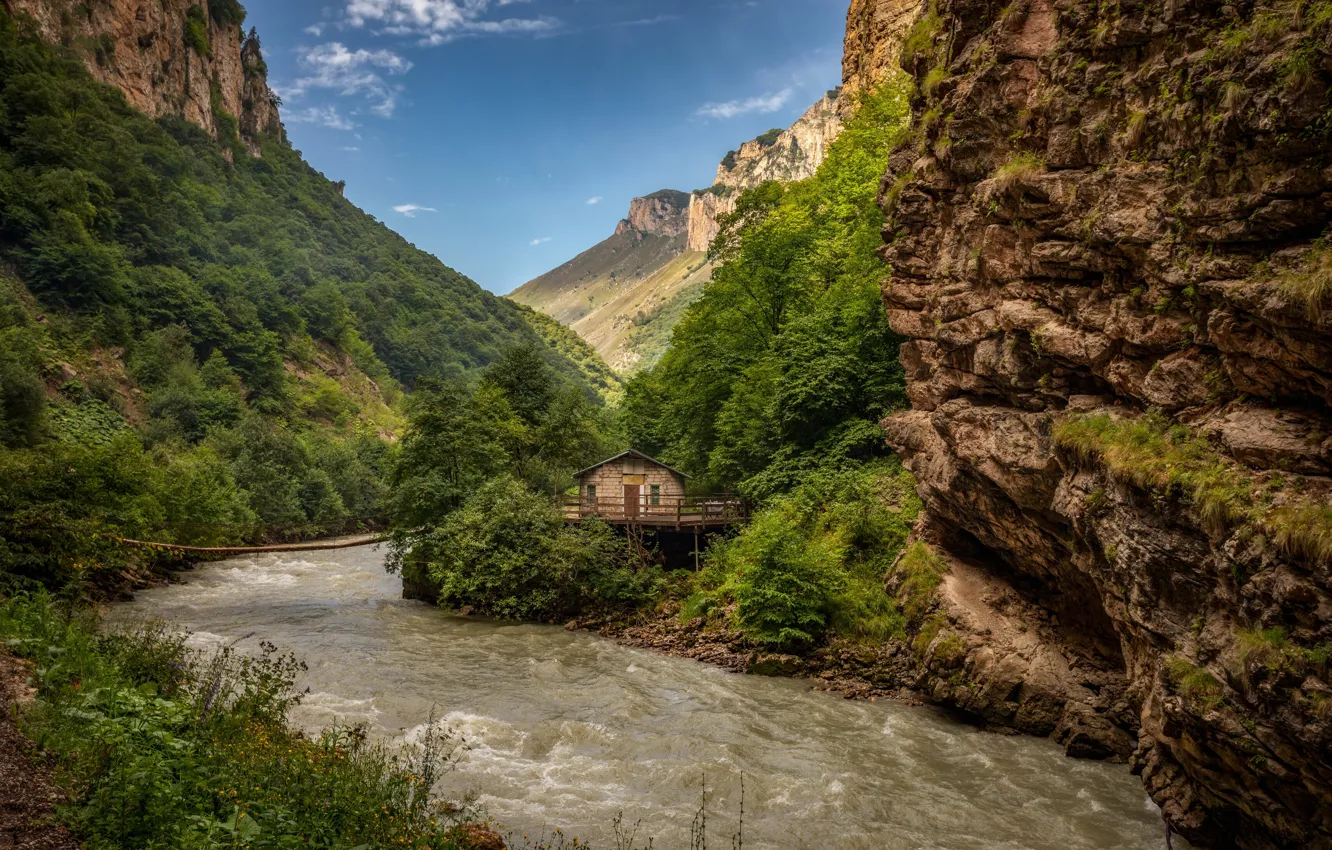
568, 729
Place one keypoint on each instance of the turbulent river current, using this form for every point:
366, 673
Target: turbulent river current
568, 730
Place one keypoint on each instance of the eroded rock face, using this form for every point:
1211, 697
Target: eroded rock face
664, 213
874, 33
794, 155
1114, 208
141, 47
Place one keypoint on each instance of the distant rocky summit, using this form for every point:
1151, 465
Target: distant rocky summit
625, 294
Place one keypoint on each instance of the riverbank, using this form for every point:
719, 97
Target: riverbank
855, 670
151, 743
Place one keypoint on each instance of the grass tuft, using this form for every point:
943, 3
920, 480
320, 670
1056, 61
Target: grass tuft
1311, 281
1019, 169
1193, 681
1154, 455
922, 572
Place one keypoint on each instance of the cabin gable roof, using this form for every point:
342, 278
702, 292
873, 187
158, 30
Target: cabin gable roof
630, 453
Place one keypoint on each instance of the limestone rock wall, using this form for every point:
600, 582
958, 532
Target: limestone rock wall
664, 213
794, 155
141, 47
1117, 209
875, 30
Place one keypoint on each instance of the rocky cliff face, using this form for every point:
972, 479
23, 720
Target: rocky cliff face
874, 33
169, 57
664, 213
795, 154
1106, 249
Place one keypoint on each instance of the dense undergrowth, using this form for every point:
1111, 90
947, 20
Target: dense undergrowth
160, 746
814, 561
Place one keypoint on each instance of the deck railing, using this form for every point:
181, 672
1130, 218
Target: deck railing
681, 511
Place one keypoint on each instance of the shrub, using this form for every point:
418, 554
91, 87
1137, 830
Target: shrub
815, 559
507, 552
22, 391
229, 12
782, 581
196, 30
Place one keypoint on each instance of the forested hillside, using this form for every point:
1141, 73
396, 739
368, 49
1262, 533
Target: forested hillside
193, 338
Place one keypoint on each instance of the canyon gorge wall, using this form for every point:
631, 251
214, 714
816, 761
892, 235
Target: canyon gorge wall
1106, 248
169, 57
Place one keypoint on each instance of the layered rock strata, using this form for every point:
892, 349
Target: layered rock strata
169, 57
1106, 250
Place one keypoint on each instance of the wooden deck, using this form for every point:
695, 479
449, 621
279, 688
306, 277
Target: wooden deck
677, 512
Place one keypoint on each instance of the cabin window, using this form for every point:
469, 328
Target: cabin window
591, 494
655, 494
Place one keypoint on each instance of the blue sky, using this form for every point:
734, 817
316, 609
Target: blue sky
507, 136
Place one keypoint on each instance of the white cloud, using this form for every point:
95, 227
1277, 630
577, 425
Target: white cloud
410, 210
324, 116
440, 21
315, 30
541, 241
351, 73
592, 202
730, 109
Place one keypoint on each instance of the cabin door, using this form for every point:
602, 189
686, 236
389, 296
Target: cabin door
632, 494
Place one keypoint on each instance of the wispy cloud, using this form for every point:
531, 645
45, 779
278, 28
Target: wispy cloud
315, 30
324, 116
593, 201
732, 108
644, 22
410, 210
440, 21
351, 73
541, 241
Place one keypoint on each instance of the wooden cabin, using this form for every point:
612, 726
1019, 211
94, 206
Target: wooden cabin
634, 489
631, 484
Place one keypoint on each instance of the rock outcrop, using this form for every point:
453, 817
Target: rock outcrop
794, 154
169, 57
875, 30
1106, 250
664, 213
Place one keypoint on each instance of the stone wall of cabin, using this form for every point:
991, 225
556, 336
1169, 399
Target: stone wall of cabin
609, 480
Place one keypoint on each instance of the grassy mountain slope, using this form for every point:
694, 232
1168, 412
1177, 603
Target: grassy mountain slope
613, 290
138, 224
195, 341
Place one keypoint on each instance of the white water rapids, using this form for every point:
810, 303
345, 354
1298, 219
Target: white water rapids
566, 729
